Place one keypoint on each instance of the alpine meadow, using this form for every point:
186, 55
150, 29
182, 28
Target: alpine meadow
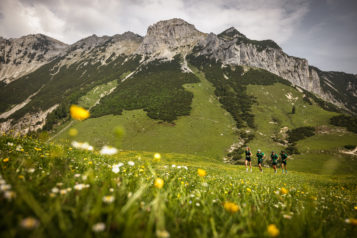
152, 136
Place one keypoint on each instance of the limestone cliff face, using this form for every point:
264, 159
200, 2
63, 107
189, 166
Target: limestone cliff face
166, 39
232, 47
100, 49
23, 55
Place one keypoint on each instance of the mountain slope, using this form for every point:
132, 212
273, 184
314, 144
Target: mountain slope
94, 61
24, 55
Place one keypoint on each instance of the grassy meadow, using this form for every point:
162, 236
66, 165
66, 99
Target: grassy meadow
208, 131
49, 190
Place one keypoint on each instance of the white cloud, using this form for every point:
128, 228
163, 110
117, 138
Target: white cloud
72, 20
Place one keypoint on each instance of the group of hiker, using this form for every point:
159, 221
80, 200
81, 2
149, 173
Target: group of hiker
261, 156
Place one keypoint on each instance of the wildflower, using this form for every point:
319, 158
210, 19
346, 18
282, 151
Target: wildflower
157, 157
173, 166
19, 148
5, 187
287, 216
131, 163
162, 234
63, 191
90, 162
111, 190
201, 172
10, 144
231, 207
5, 160
79, 186
29, 223
9, 195
115, 169
273, 231
352, 221
98, 227
55, 190
73, 132
37, 149
284, 191
108, 150
355, 207
249, 190
31, 170
159, 183
80, 145
77, 175
21, 177
108, 199
78, 113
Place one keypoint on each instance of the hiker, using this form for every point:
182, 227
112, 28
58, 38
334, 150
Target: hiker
248, 158
284, 158
274, 158
260, 156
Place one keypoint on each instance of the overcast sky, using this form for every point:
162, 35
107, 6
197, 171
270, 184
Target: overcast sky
322, 31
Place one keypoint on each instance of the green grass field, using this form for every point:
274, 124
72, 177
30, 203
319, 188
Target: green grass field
50, 190
208, 131
320, 153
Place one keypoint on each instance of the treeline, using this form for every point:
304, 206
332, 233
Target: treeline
156, 88
74, 82
349, 122
297, 134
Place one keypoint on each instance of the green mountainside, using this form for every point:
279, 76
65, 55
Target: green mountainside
231, 107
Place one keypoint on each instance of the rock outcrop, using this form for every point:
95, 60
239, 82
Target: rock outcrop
166, 39
232, 47
23, 55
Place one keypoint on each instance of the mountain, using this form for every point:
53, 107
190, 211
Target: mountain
23, 55
176, 90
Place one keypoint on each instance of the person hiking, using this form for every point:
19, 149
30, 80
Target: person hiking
248, 159
260, 156
284, 158
274, 158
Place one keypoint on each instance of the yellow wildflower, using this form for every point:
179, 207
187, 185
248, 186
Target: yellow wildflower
159, 183
29, 223
355, 207
201, 172
108, 199
90, 162
273, 231
37, 149
231, 207
249, 190
5, 160
78, 113
21, 177
157, 157
353, 221
284, 191
73, 132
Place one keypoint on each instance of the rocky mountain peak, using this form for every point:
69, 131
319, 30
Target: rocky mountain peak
128, 35
231, 33
89, 42
170, 37
20, 56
